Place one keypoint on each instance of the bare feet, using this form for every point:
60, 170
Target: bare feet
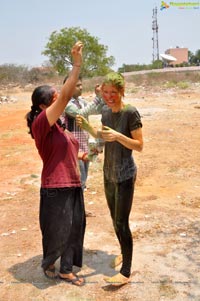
116, 261
117, 280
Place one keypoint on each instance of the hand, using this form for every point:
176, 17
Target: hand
87, 157
82, 122
109, 134
77, 53
92, 157
98, 90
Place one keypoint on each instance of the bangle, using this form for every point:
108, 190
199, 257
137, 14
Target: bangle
83, 156
76, 65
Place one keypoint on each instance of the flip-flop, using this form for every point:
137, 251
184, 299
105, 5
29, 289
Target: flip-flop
75, 281
51, 270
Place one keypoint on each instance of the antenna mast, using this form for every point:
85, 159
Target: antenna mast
155, 35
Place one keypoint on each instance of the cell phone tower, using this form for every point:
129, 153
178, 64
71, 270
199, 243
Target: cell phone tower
155, 35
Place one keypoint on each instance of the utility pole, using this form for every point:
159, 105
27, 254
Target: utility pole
155, 35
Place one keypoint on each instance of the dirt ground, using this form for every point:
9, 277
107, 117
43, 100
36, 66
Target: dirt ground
164, 219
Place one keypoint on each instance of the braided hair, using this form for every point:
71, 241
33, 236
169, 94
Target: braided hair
41, 95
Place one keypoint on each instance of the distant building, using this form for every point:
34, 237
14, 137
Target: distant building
181, 55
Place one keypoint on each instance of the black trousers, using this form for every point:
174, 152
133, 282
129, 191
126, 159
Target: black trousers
62, 223
119, 199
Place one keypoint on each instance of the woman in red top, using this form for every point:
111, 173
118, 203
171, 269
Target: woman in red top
62, 214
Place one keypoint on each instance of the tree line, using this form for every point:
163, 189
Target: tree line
96, 62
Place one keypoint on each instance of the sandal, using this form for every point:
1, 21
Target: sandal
50, 272
76, 280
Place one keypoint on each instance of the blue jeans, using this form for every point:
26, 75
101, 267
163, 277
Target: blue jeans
84, 166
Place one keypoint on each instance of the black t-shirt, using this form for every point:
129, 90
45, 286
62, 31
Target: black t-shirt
119, 164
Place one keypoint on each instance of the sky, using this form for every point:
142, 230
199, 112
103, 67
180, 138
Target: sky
125, 27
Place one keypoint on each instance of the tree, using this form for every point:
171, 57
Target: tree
194, 59
95, 61
157, 64
190, 57
197, 57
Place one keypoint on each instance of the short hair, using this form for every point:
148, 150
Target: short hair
115, 79
66, 77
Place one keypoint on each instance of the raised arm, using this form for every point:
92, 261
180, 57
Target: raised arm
55, 110
93, 108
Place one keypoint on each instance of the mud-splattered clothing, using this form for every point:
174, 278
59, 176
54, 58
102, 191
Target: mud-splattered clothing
119, 178
119, 164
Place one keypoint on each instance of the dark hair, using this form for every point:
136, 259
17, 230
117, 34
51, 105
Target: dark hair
41, 95
66, 77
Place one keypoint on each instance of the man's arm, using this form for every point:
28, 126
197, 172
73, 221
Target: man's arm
93, 108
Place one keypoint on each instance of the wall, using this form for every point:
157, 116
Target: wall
181, 54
